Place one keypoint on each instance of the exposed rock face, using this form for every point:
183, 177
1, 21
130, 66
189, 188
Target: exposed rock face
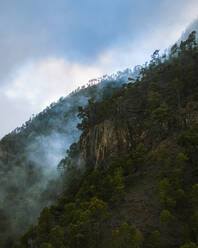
104, 141
120, 133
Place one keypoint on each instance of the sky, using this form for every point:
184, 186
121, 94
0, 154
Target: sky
49, 48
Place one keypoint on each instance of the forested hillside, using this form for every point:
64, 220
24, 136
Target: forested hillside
132, 178
29, 156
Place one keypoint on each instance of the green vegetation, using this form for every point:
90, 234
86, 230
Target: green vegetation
126, 236
80, 214
158, 111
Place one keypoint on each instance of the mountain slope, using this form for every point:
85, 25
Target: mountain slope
131, 180
30, 154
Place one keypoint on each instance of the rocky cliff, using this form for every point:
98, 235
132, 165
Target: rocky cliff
104, 141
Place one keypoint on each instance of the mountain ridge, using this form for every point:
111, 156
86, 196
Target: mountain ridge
146, 194
117, 119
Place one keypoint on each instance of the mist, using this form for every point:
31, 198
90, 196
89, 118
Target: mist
30, 154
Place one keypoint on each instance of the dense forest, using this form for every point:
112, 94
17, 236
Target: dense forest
130, 176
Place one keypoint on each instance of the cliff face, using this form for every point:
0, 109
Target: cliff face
113, 137
105, 141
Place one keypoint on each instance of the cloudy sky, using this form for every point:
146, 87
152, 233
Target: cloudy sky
48, 48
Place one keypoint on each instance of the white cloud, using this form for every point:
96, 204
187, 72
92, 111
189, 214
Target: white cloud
162, 35
43, 82
36, 85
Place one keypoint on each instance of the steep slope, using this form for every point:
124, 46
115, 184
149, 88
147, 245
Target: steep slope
131, 180
30, 154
